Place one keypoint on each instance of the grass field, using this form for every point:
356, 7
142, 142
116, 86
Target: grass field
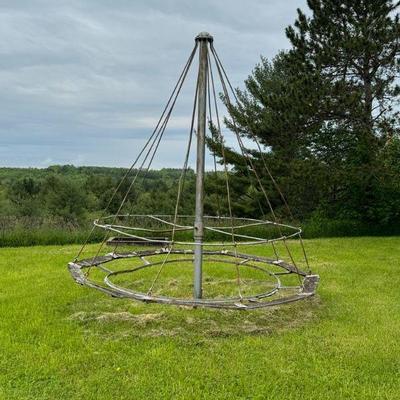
62, 341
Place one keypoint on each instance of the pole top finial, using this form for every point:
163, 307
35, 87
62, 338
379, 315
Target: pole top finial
204, 36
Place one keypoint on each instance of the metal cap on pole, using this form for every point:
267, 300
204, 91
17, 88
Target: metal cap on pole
204, 36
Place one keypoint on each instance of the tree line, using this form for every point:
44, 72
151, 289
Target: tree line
77, 194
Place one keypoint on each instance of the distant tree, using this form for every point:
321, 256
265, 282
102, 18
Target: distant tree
64, 198
24, 194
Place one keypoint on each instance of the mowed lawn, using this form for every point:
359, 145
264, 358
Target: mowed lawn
59, 340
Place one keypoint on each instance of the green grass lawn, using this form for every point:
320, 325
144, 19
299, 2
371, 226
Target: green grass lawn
59, 340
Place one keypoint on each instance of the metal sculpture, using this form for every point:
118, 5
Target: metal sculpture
166, 235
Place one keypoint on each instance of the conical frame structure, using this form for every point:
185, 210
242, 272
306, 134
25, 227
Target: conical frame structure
159, 243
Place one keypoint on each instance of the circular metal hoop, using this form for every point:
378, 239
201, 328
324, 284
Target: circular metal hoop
227, 228
182, 301
259, 300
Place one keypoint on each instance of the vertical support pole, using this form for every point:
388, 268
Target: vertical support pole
202, 39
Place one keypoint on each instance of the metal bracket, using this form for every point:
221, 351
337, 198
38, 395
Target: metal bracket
310, 284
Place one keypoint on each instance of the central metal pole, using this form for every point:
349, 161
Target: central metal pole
203, 39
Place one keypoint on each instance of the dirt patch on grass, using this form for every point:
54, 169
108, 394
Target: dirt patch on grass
188, 323
121, 316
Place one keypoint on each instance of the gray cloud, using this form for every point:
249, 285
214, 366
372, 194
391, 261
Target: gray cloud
84, 82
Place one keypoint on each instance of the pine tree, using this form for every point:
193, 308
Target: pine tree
353, 45
326, 109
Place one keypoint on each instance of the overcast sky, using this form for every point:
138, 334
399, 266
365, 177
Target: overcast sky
83, 82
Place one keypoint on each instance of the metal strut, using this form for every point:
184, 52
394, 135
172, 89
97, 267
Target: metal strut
203, 39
